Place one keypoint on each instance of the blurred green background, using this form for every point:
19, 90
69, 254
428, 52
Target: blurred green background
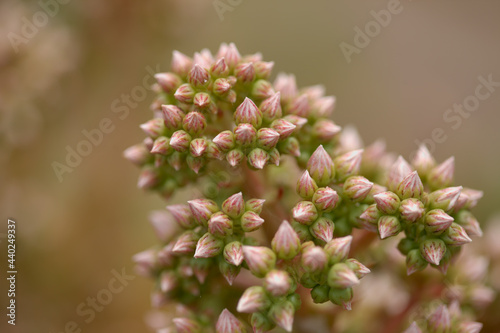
66, 76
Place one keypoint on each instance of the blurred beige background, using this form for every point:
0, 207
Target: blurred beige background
65, 78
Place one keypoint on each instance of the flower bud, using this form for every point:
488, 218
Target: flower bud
290, 146
411, 210
254, 205
306, 186
423, 161
405, 245
320, 294
220, 68
208, 246
388, 226
213, 152
445, 199
202, 100
470, 327
186, 243
181, 63
283, 127
472, 197
168, 281
321, 167
271, 107
267, 138
469, 223
299, 122
184, 93
410, 187
348, 164
182, 215
148, 178
228, 271
228, 323
341, 276
234, 157
278, 283
274, 157
305, 212
169, 82
232, 55
234, 206
261, 322
195, 163
282, 314
325, 199
263, 69
338, 249
221, 87
245, 72
260, 259
154, 128
322, 229
180, 141
357, 188
224, 140
414, 262
300, 106
286, 85
398, 171
387, 202
286, 243
175, 160
314, 259
198, 147
137, 154
413, 328
249, 113
186, 325
262, 89
233, 253
198, 76
173, 116
220, 225
455, 235
433, 250
442, 175
439, 321
258, 158
358, 268
245, 134
436, 221
342, 297
368, 220
325, 130
253, 299
324, 106
161, 146
202, 209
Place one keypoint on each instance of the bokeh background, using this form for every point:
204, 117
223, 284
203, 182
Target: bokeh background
64, 78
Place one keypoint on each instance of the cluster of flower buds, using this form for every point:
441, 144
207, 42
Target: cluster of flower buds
435, 218
445, 318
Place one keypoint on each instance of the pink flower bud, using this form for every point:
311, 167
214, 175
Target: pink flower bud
433, 250
145, 262
204, 58
198, 147
180, 141
245, 72
314, 259
202, 100
371, 215
414, 262
233, 253
169, 82
410, 187
442, 175
186, 243
260, 259
323, 107
473, 196
220, 225
388, 226
325, 199
306, 186
278, 283
300, 106
387, 202
455, 235
245, 134
195, 163
357, 188
348, 164
230, 97
224, 140
228, 271
283, 127
436, 221
234, 157
221, 86
439, 320
253, 299
175, 160
271, 107
173, 116
201, 269
290, 146
423, 161
286, 243
213, 152
182, 215
220, 68
305, 212
470, 327
262, 89
164, 226
445, 199
208, 246
168, 281
322, 229
399, 170
186, 325
258, 158
137, 154
469, 223
341, 276
413, 328
161, 146
249, 113
263, 69
181, 63
198, 76
274, 157
299, 122
338, 249
267, 138
321, 167
325, 130
202, 209
255, 205
184, 93
358, 268
228, 323
232, 55
148, 178
411, 210
234, 206
282, 314
154, 128
251, 221
286, 85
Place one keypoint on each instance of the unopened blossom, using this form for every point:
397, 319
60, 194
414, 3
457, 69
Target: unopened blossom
414, 262
184, 93
154, 128
371, 215
169, 82
411, 210
433, 250
228, 323
173, 116
186, 243
221, 87
388, 226
271, 107
202, 209
233, 253
398, 171
180, 141
260, 259
224, 140
325, 199
252, 300
323, 229
445, 199
455, 235
413, 328
262, 89
410, 187
423, 161
194, 123
229, 271
198, 76
245, 72
258, 158
283, 127
255, 205
234, 206
234, 157
324, 106
198, 147
348, 164
341, 276
321, 167
263, 69
357, 188
220, 68
251, 221
442, 175
338, 249
387, 202
161, 146
469, 223
267, 138
278, 283
148, 178
437, 221
245, 134
342, 297
291, 146
137, 154
439, 320
305, 212
182, 215
306, 186
249, 113
181, 63
220, 225
358, 268
208, 246
314, 259
285, 83
325, 130
286, 242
